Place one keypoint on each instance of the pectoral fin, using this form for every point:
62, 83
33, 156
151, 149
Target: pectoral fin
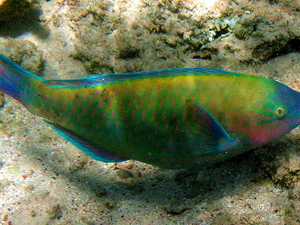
214, 139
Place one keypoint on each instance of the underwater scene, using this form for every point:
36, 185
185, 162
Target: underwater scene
123, 112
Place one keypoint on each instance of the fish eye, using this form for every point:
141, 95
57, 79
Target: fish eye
280, 112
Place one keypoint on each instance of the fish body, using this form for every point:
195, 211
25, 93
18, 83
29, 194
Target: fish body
179, 118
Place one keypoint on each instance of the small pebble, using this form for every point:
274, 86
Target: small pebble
110, 204
175, 207
55, 212
124, 174
2, 101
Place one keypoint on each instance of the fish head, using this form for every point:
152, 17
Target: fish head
277, 114
288, 110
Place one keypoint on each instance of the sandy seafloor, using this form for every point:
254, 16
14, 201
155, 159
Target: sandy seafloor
46, 180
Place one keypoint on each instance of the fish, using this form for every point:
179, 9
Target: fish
175, 118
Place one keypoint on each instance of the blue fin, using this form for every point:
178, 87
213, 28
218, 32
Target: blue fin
214, 138
14, 79
86, 146
108, 78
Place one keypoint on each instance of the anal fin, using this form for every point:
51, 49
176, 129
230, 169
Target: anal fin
86, 146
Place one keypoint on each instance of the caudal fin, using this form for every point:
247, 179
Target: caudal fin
15, 80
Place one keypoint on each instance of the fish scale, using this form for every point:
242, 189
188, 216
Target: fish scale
179, 118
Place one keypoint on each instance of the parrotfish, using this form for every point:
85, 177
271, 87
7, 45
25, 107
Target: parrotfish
175, 118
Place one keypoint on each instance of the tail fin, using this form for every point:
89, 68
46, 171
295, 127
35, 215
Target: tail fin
14, 79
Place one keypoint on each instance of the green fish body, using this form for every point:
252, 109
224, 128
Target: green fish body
177, 118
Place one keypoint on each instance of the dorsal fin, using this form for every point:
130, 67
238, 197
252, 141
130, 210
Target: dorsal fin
109, 78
